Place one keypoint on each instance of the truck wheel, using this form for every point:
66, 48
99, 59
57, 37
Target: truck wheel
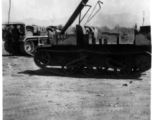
27, 47
8, 47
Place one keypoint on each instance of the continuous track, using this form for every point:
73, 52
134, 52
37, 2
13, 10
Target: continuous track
124, 64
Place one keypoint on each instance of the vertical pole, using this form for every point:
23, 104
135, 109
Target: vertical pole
143, 18
9, 11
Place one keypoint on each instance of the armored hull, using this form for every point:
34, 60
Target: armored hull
123, 59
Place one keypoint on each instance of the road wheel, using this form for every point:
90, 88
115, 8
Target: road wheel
143, 62
103, 69
42, 59
124, 70
69, 68
90, 68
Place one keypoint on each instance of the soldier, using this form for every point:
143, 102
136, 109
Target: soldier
19, 30
16, 33
51, 36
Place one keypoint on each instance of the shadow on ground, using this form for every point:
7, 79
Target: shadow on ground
15, 56
60, 73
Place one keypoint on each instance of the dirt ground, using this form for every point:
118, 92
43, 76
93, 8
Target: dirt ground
33, 94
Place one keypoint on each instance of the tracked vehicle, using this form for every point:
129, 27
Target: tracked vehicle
91, 51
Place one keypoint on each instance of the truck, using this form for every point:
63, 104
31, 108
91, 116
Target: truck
22, 39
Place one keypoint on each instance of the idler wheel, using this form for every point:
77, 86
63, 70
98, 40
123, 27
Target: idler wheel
69, 68
124, 70
90, 68
42, 59
143, 62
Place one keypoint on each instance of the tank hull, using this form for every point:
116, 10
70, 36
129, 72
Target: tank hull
123, 57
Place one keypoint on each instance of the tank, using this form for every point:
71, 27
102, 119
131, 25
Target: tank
90, 49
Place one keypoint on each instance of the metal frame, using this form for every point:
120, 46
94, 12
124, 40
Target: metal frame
80, 19
91, 16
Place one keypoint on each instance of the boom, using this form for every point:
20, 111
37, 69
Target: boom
74, 15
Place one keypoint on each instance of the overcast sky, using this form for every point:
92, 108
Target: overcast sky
48, 9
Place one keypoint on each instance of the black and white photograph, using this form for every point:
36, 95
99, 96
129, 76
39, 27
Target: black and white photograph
76, 59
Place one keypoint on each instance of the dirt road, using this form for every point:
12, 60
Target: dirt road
33, 94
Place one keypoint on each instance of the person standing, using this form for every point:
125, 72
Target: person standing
51, 36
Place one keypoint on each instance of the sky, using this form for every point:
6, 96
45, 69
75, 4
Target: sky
57, 9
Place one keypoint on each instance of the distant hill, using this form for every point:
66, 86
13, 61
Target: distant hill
112, 20
109, 20
32, 21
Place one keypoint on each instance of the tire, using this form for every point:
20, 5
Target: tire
7, 47
27, 47
10, 48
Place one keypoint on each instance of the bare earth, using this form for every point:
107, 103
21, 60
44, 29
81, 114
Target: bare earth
33, 94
